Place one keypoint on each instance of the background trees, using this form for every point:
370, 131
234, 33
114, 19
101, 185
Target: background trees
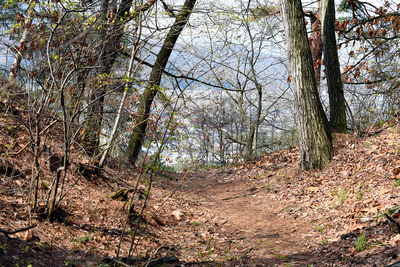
74, 58
368, 37
245, 75
211, 90
138, 134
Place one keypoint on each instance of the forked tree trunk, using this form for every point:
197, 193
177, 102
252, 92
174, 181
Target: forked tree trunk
314, 132
139, 131
335, 86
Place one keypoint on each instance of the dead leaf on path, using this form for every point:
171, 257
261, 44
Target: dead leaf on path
372, 210
204, 234
367, 201
383, 191
313, 189
395, 241
28, 235
356, 227
177, 214
366, 219
372, 150
396, 171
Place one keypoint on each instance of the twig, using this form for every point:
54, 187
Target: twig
6, 233
247, 251
119, 262
163, 261
22, 149
162, 247
393, 221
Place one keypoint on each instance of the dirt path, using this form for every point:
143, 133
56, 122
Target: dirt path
265, 212
249, 216
266, 228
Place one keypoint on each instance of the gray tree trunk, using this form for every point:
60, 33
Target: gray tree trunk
152, 87
16, 66
332, 68
109, 53
314, 132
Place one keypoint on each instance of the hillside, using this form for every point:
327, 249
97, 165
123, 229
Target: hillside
260, 213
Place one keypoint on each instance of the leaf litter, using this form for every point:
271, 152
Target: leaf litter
264, 212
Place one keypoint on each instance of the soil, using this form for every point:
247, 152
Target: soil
264, 212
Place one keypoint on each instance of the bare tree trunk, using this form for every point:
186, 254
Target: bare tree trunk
314, 132
108, 56
63, 168
250, 141
21, 50
118, 119
139, 131
335, 86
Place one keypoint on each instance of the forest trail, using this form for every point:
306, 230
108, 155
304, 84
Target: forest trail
249, 216
264, 212
266, 227
276, 214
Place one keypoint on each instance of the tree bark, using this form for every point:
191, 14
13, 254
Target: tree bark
139, 131
314, 132
21, 51
316, 43
110, 50
118, 119
332, 68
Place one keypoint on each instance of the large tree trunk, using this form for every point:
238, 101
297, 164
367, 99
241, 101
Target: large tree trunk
332, 68
109, 53
314, 132
138, 133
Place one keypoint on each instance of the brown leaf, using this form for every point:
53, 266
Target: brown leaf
177, 214
383, 191
313, 189
28, 235
396, 170
395, 240
356, 227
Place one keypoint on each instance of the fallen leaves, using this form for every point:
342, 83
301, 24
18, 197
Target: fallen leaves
383, 191
28, 235
396, 171
394, 241
177, 214
313, 189
356, 227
